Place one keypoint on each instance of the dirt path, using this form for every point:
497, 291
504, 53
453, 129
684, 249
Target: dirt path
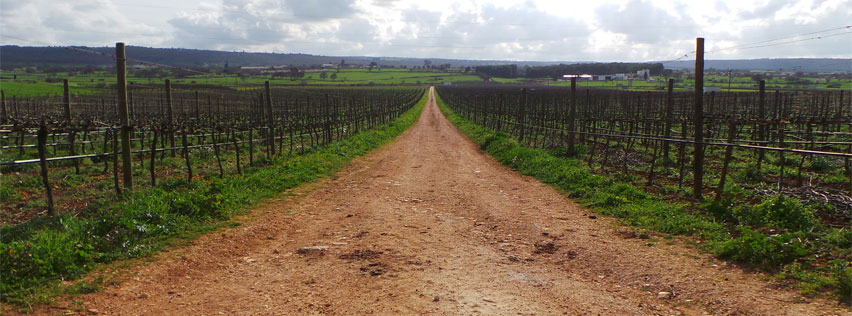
430, 225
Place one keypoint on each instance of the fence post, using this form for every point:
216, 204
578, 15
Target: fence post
698, 121
121, 76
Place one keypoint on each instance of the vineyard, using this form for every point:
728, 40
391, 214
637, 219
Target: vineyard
768, 183
78, 187
234, 128
759, 177
798, 143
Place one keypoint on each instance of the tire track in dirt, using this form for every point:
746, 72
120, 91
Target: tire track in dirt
430, 225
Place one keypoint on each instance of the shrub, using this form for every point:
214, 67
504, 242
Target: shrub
843, 276
564, 152
821, 164
758, 250
8, 193
749, 173
786, 213
840, 238
722, 211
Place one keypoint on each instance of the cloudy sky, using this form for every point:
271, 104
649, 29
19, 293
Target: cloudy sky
586, 30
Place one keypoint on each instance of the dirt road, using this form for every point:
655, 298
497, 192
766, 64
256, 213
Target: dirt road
429, 225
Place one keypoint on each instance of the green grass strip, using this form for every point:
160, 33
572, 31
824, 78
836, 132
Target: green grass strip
36, 255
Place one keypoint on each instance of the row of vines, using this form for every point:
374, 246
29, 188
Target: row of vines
51, 144
795, 143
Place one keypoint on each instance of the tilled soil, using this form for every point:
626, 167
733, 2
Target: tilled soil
430, 225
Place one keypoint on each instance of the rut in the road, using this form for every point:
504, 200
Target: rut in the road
431, 225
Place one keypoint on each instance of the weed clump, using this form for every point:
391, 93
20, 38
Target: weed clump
768, 253
785, 213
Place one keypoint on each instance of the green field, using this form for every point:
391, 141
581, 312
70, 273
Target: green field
32, 84
23, 84
737, 83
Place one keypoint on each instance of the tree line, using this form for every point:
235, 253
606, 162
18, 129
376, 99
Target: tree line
556, 71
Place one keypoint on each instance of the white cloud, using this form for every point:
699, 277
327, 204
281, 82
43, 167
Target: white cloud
606, 30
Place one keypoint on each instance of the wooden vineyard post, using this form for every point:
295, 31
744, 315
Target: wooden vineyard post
121, 76
761, 115
573, 117
781, 159
698, 121
42, 161
170, 116
271, 120
66, 100
667, 133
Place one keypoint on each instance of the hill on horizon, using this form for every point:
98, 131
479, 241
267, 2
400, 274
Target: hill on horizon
25, 56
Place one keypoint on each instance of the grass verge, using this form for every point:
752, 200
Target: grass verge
37, 255
780, 235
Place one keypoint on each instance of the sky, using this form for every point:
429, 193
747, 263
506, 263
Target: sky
566, 30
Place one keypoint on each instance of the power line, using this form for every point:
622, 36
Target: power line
775, 42
790, 39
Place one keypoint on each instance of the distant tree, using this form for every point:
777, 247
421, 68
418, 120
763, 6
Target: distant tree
294, 73
323, 75
333, 76
503, 71
467, 69
88, 70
